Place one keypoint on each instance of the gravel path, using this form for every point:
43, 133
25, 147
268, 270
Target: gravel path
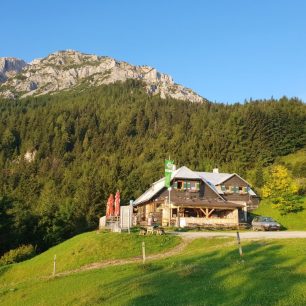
245, 235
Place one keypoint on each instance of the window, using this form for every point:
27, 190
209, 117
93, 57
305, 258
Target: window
187, 185
174, 212
194, 185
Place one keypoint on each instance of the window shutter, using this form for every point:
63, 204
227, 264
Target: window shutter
236, 189
175, 185
188, 185
198, 186
185, 185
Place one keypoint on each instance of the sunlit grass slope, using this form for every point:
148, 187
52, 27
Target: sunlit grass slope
85, 249
293, 158
292, 221
208, 272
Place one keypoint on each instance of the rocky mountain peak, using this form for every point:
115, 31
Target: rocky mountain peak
68, 69
10, 66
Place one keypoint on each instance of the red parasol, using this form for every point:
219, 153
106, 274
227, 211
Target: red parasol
117, 204
107, 209
110, 206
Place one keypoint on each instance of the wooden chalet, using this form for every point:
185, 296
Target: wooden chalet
197, 199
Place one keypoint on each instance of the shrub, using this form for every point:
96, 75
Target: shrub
16, 255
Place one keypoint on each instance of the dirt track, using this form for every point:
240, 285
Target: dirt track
187, 237
118, 262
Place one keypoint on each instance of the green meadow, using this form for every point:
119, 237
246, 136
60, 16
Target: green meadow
206, 272
293, 221
84, 249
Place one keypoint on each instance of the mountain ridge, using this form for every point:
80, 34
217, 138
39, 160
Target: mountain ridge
68, 69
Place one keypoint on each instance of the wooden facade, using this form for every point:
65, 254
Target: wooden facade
195, 201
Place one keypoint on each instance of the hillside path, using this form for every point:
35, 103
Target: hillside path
118, 262
187, 237
244, 235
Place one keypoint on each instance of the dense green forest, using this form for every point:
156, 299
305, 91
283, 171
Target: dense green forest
91, 142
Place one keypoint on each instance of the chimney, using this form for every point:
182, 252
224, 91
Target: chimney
215, 170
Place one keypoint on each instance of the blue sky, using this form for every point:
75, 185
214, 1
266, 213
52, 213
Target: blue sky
226, 50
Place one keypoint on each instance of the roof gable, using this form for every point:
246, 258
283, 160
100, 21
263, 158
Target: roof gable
185, 173
235, 174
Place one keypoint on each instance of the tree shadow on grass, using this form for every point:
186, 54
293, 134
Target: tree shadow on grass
203, 274
221, 278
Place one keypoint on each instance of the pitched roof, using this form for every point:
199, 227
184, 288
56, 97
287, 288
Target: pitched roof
214, 178
185, 173
210, 178
154, 189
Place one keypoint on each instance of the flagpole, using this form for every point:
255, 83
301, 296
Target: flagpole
168, 172
169, 189
169, 200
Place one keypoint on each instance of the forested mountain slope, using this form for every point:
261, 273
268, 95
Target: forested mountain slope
61, 155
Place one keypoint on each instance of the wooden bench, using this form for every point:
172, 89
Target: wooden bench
159, 231
150, 230
142, 232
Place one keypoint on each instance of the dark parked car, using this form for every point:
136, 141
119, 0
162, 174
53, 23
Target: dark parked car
265, 224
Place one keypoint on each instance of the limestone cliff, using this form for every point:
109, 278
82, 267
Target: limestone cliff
69, 69
9, 67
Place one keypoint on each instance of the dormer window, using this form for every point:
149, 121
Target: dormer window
195, 186
179, 185
187, 185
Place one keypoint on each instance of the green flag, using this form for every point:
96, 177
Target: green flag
168, 171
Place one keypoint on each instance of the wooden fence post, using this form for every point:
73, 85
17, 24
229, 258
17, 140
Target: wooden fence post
54, 265
239, 244
143, 252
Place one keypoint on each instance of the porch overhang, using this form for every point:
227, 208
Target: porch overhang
216, 205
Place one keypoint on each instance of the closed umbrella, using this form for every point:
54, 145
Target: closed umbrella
111, 205
107, 208
117, 203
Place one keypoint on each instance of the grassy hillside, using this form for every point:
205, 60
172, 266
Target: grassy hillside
296, 163
292, 221
293, 158
84, 249
207, 272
